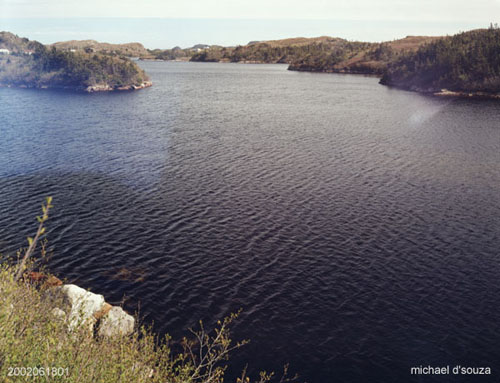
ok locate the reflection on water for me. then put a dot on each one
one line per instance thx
(357, 226)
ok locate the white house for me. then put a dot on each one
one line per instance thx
(4, 51)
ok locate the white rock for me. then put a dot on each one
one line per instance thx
(116, 322)
(83, 305)
(58, 313)
(142, 371)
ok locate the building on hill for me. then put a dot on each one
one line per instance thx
(4, 51)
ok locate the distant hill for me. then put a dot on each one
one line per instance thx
(129, 49)
(466, 62)
(199, 46)
(318, 54)
(16, 44)
(30, 64)
(272, 51)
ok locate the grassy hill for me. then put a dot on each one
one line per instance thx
(466, 62)
(30, 64)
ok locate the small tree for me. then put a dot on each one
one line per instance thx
(32, 242)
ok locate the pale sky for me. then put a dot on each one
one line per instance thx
(369, 20)
(421, 10)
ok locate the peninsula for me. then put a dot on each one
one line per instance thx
(466, 64)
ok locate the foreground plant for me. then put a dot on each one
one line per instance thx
(32, 242)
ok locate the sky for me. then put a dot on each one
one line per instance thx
(166, 23)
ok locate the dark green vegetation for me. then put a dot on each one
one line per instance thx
(176, 53)
(321, 54)
(33, 65)
(277, 51)
(466, 62)
(358, 57)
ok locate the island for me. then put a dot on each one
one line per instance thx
(30, 64)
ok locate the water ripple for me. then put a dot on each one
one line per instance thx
(357, 226)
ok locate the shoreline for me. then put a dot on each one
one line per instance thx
(89, 89)
(108, 88)
(446, 93)
(464, 94)
(335, 71)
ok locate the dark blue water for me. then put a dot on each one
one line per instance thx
(357, 226)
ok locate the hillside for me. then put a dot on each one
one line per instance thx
(319, 54)
(355, 57)
(273, 51)
(29, 64)
(16, 44)
(466, 62)
(129, 49)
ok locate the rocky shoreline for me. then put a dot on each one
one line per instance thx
(77, 306)
(358, 70)
(478, 95)
(109, 88)
(88, 89)
(461, 94)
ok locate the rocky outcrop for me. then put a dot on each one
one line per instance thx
(115, 323)
(479, 95)
(99, 88)
(109, 88)
(82, 305)
(90, 310)
(444, 92)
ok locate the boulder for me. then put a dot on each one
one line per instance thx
(82, 305)
(116, 322)
(142, 371)
(103, 311)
